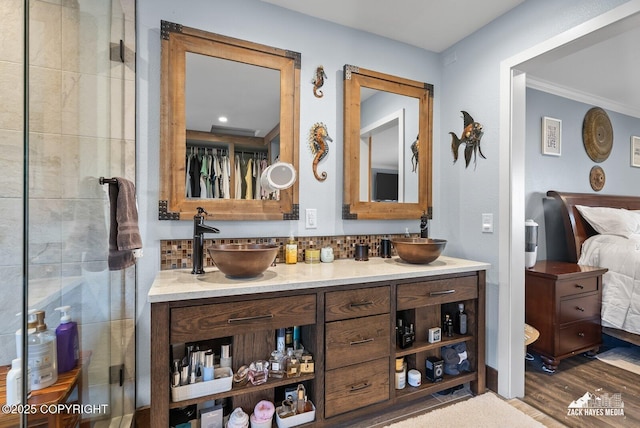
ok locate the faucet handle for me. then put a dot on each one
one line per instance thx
(202, 211)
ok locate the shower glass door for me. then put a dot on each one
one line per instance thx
(67, 118)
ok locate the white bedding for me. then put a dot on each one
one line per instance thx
(621, 284)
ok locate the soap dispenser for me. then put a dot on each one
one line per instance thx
(67, 338)
(31, 329)
(42, 355)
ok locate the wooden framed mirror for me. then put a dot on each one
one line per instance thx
(388, 126)
(229, 108)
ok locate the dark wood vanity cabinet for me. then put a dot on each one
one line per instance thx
(349, 329)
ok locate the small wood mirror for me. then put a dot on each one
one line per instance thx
(388, 124)
(229, 109)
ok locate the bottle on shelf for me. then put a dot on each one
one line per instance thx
(280, 341)
(448, 326)
(43, 355)
(275, 365)
(288, 337)
(461, 320)
(292, 364)
(401, 373)
(68, 348)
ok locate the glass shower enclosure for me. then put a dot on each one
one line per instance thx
(67, 118)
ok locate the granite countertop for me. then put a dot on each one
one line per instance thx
(181, 284)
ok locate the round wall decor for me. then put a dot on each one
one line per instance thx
(597, 134)
(596, 178)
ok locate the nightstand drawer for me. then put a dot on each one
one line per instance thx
(340, 305)
(353, 387)
(579, 308)
(579, 336)
(576, 286)
(357, 340)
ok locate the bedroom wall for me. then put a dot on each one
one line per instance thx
(569, 172)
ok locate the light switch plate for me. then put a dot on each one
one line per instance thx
(311, 218)
(487, 223)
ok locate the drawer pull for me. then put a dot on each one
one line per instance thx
(360, 342)
(256, 317)
(581, 334)
(362, 386)
(356, 304)
(578, 308)
(441, 293)
(581, 287)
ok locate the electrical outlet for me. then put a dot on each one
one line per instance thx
(487, 223)
(311, 218)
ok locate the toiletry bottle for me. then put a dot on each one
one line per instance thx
(288, 337)
(31, 328)
(292, 364)
(14, 383)
(296, 337)
(291, 251)
(406, 233)
(208, 370)
(42, 355)
(448, 326)
(401, 373)
(461, 320)
(275, 365)
(280, 341)
(67, 338)
(225, 357)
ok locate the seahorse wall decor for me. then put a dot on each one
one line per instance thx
(318, 81)
(318, 137)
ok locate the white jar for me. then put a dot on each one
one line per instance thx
(415, 377)
(326, 255)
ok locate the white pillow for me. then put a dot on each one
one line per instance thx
(611, 221)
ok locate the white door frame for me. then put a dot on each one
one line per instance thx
(512, 199)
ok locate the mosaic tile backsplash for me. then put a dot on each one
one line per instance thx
(176, 253)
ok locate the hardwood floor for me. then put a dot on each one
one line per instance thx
(552, 394)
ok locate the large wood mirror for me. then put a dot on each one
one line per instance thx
(387, 146)
(229, 109)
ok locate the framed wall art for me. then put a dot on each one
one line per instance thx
(551, 136)
(635, 151)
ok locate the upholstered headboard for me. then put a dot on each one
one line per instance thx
(577, 230)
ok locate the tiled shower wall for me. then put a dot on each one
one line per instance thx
(81, 126)
(176, 254)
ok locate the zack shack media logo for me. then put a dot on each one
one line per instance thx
(597, 405)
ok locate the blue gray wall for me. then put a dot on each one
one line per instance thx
(465, 77)
(570, 171)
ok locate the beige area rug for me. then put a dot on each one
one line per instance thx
(627, 358)
(483, 411)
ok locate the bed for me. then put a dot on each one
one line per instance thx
(619, 251)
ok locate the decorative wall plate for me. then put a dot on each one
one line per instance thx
(596, 178)
(597, 134)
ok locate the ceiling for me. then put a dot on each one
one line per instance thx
(433, 25)
(598, 69)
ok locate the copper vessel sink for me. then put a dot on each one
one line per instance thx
(243, 260)
(419, 250)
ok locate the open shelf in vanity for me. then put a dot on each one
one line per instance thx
(348, 326)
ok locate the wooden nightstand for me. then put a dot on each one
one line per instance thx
(562, 301)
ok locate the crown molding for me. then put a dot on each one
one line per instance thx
(583, 97)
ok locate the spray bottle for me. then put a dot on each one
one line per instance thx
(67, 338)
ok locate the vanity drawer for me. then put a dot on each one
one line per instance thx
(579, 336)
(576, 286)
(436, 292)
(353, 387)
(193, 323)
(353, 341)
(341, 305)
(579, 308)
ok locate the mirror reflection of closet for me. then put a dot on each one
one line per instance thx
(384, 117)
(230, 108)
